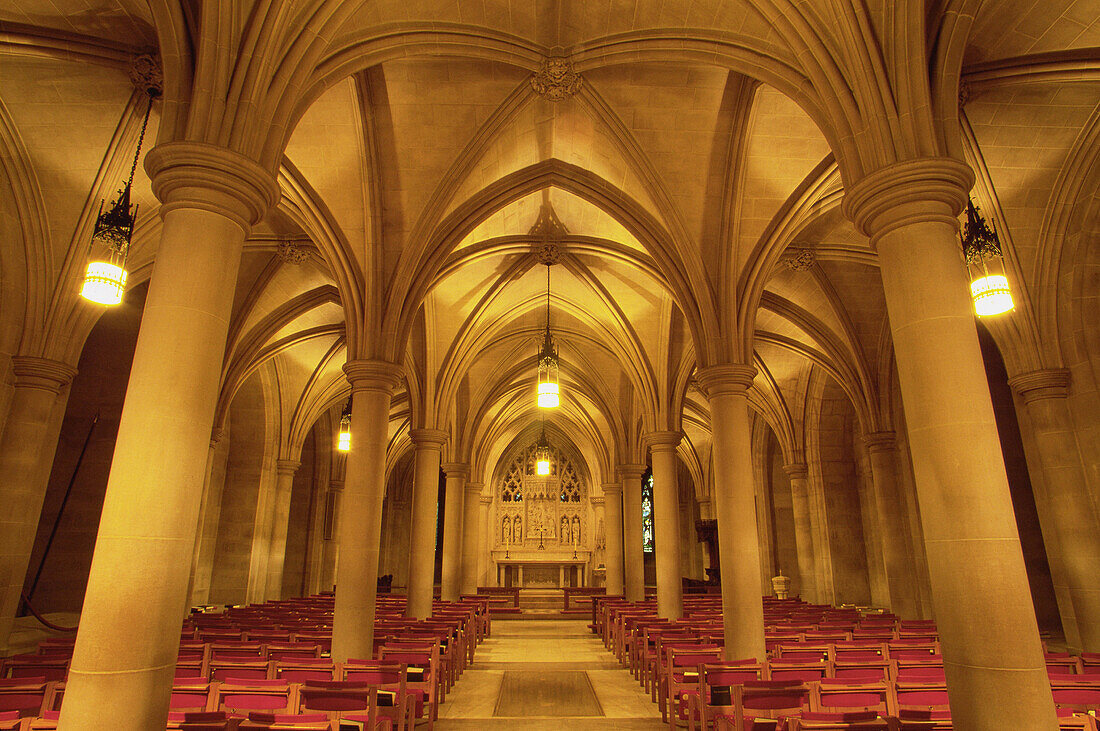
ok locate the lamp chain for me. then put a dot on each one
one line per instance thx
(141, 139)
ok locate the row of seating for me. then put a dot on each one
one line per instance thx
(268, 666)
(817, 676)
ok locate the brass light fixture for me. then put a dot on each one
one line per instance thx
(549, 391)
(985, 264)
(343, 438)
(542, 454)
(105, 278)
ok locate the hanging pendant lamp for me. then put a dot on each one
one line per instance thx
(549, 391)
(343, 437)
(984, 262)
(105, 277)
(542, 454)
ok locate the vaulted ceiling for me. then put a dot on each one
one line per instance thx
(661, 184)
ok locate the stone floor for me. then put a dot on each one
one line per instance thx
(547, 647)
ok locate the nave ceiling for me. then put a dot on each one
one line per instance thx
(692, 206)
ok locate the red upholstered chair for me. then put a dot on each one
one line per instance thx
(763, 699)
(1062, 662)
(421, 676)
(805, 651)
(909, 719)
(714, 694)
(242, 696)
(344, 700)
(921, 696)
(292, 650)
(803, 671)
(839, 721)
(1070, 721)
(303, 670)
(50, 667)
(681, 673)
(189, 696)
(1080, 693)
(395, 701)
(25, 696)
(843, 696)
(287, 721)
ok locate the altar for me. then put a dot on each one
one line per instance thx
(541, 571)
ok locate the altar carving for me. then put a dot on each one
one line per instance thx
(542, 520)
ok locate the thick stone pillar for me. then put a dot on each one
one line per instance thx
(803, 529)
(425, 507)
(453, 509)
(990, 641)
(24, 444)
(666, 522)
(125, 656)
(613, 530)
(330, 548)
(206, 540)
(633, 558)
(285, 469)
(471, 538)
(893, 525)
(486, 571)
(734, 506)
(359, 507)
(1066, 504)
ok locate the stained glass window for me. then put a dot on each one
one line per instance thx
(647, 512)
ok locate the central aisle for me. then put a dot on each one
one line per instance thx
(554, 674)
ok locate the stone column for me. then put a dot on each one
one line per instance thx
(988, 634)
(125, 656)
(210, 510)
(486, 570)
(803, 529)
(1065, 498)
(453, 506)
(285, 469)
(471, 540)
(26, 437)
(666, 522)
(633, 560)
(425, 507)
(359, 526)
(731, 452)
(893, 526)
(330, 550)
(613, 530)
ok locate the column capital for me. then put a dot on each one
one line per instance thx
(1045, 383)
(216, 435)
(428, 438)
(796, 470)
(336, 485)
(41, 373)
(880, 441)
(596, 501)
(612, 487)
(373, 375)
(455, 469)
(212, 178)
(628, 471)
(908, 192)
(286, 466)
(486, 499)
(474, 488)
(729, 378)
(662, 440)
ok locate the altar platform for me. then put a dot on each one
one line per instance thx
(535, 569)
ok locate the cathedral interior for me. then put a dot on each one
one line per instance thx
(737, 237)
